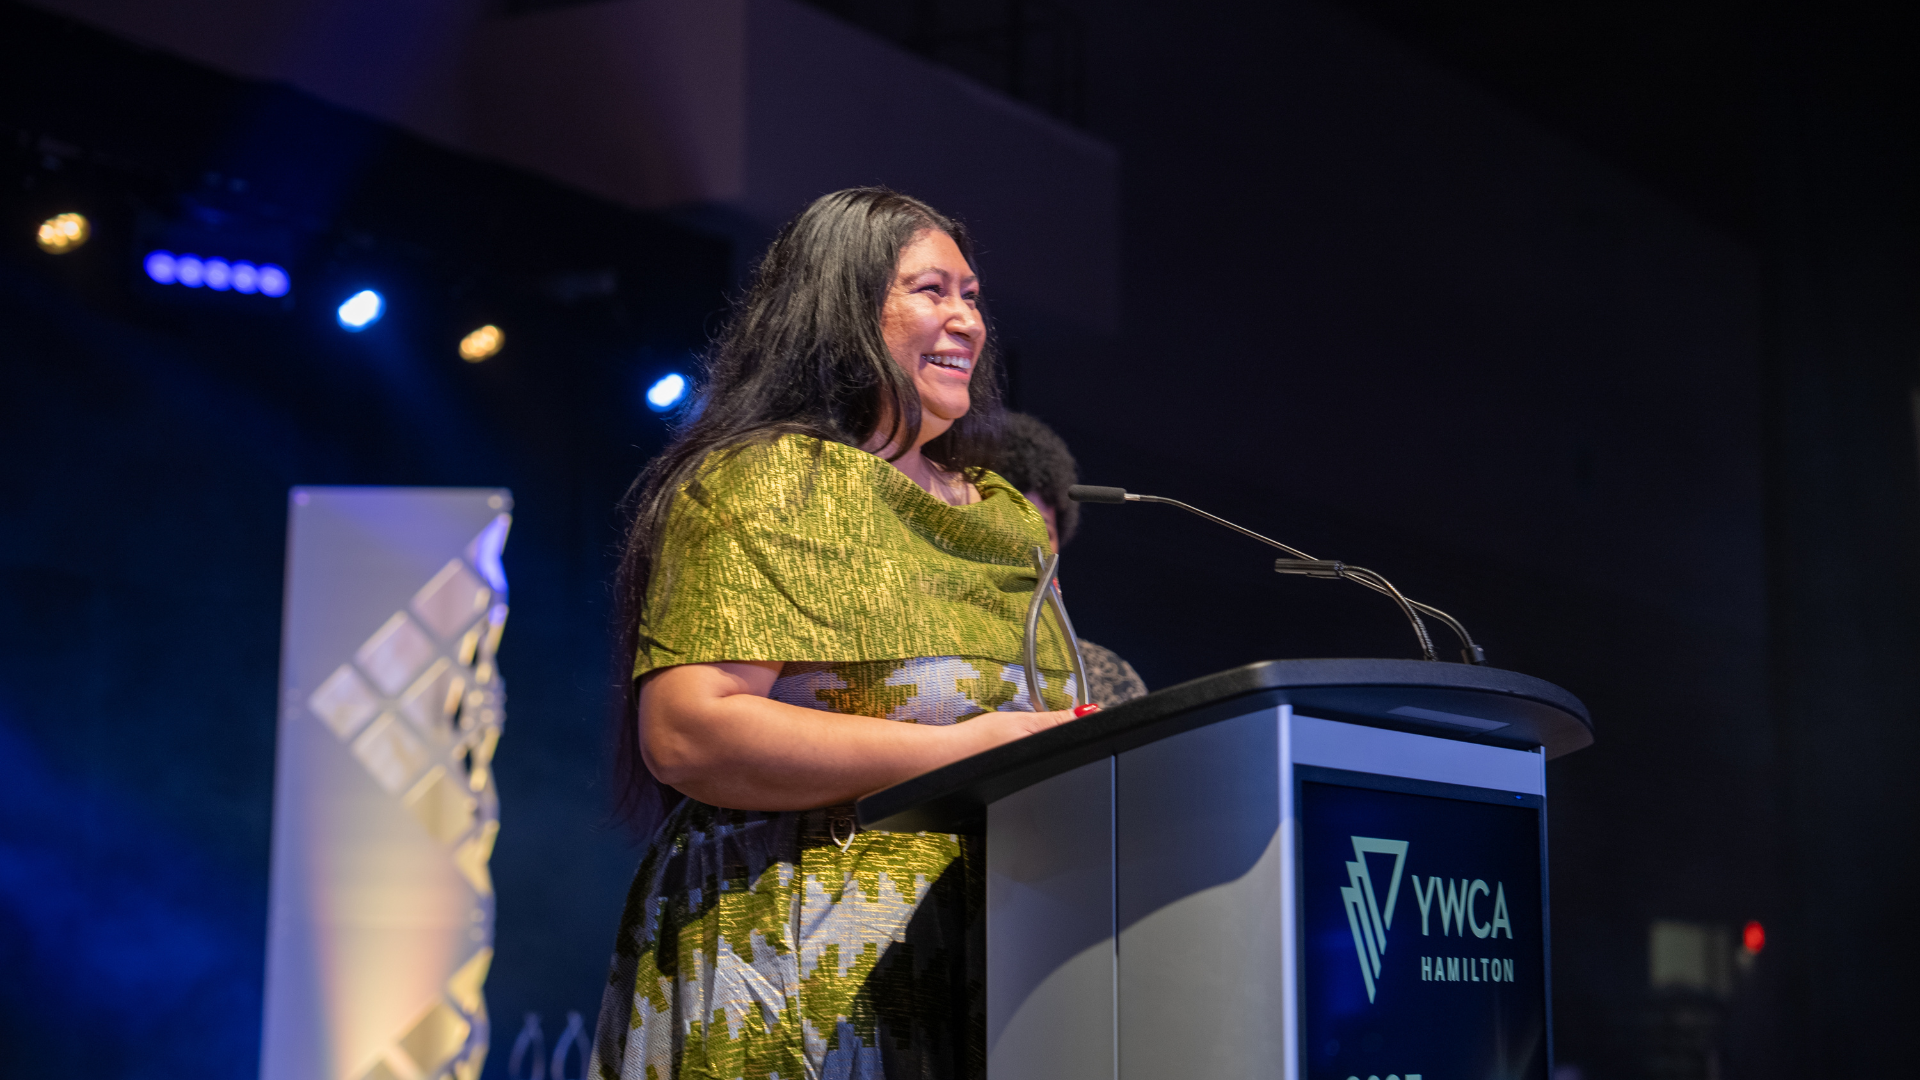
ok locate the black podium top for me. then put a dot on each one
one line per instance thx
(1452, 701)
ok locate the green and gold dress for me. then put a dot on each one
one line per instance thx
(790, 945)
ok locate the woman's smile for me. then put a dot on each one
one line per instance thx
(960, 365)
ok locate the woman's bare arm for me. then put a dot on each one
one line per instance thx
(710, 731)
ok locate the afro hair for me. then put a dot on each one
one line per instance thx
(1035, 459)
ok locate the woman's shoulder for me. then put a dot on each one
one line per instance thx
(784, 475)
(989, 480)
(760, 461)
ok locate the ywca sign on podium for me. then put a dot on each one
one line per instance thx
(1424, 943)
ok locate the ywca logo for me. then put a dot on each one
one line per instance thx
(1364, 915)
(1458, 909)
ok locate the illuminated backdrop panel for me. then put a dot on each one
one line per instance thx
(385, 812)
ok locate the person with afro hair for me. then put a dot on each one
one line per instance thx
(1035, 460)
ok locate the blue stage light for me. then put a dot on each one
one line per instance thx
(362, 310)
(160, 267)
(667, 393)
(274, 281)
(220, 275)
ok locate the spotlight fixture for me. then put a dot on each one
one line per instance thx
(667, 392)
(194, 272)
(62, 233)
(361, 310)
(481, 344)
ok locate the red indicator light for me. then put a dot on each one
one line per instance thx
(1754, 937)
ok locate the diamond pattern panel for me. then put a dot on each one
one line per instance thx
(442, 807)
(435, 1038)
(464, 986)
(391, 753)
(480, 759)
(394, 653)
(490, 642)
(344, 702)
(472, 858)
(433, 697)
(468, 1067)
(382, 1071)
(483, 551)
(469, 643)
(395, 706)
(451, 600)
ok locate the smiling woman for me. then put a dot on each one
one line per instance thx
(823, 594)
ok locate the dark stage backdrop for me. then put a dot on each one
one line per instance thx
(1369, 307)
(148, 437)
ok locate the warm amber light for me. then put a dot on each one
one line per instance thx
(481, 344)
(63, 232)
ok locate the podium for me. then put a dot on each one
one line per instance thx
(1296, 869)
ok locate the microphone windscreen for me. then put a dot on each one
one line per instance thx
(1089, 493)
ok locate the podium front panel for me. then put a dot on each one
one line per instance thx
(1245, 899)
(1202, 930)
(1050, 958)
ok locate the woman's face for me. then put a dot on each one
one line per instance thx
(932, 326)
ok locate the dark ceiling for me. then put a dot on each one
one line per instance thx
(1667, 91)
(1685, 94)
(1671, 92)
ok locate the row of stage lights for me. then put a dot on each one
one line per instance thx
(63, 233)
(166, 268)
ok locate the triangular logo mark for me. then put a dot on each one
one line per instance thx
(1365, 915)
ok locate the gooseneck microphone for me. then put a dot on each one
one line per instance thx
(1306, 565)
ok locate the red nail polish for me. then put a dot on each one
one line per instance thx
(1089, 707)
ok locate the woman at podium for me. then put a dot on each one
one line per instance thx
(824, 592)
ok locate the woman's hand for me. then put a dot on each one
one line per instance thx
(995, 728)
(710, 731)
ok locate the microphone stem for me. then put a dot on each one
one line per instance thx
(1381, 585)
(1267, 540)
(1471, 652)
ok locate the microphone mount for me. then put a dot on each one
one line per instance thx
(1046, 592)
(1305, 565)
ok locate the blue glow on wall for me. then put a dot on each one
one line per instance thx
(667, 392)
(362, 310)
(218, 274)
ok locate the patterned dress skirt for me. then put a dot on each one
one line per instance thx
(792, 945)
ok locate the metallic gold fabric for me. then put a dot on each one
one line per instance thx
(815, 551)
(786, 944)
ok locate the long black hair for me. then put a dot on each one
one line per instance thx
(802, 354)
